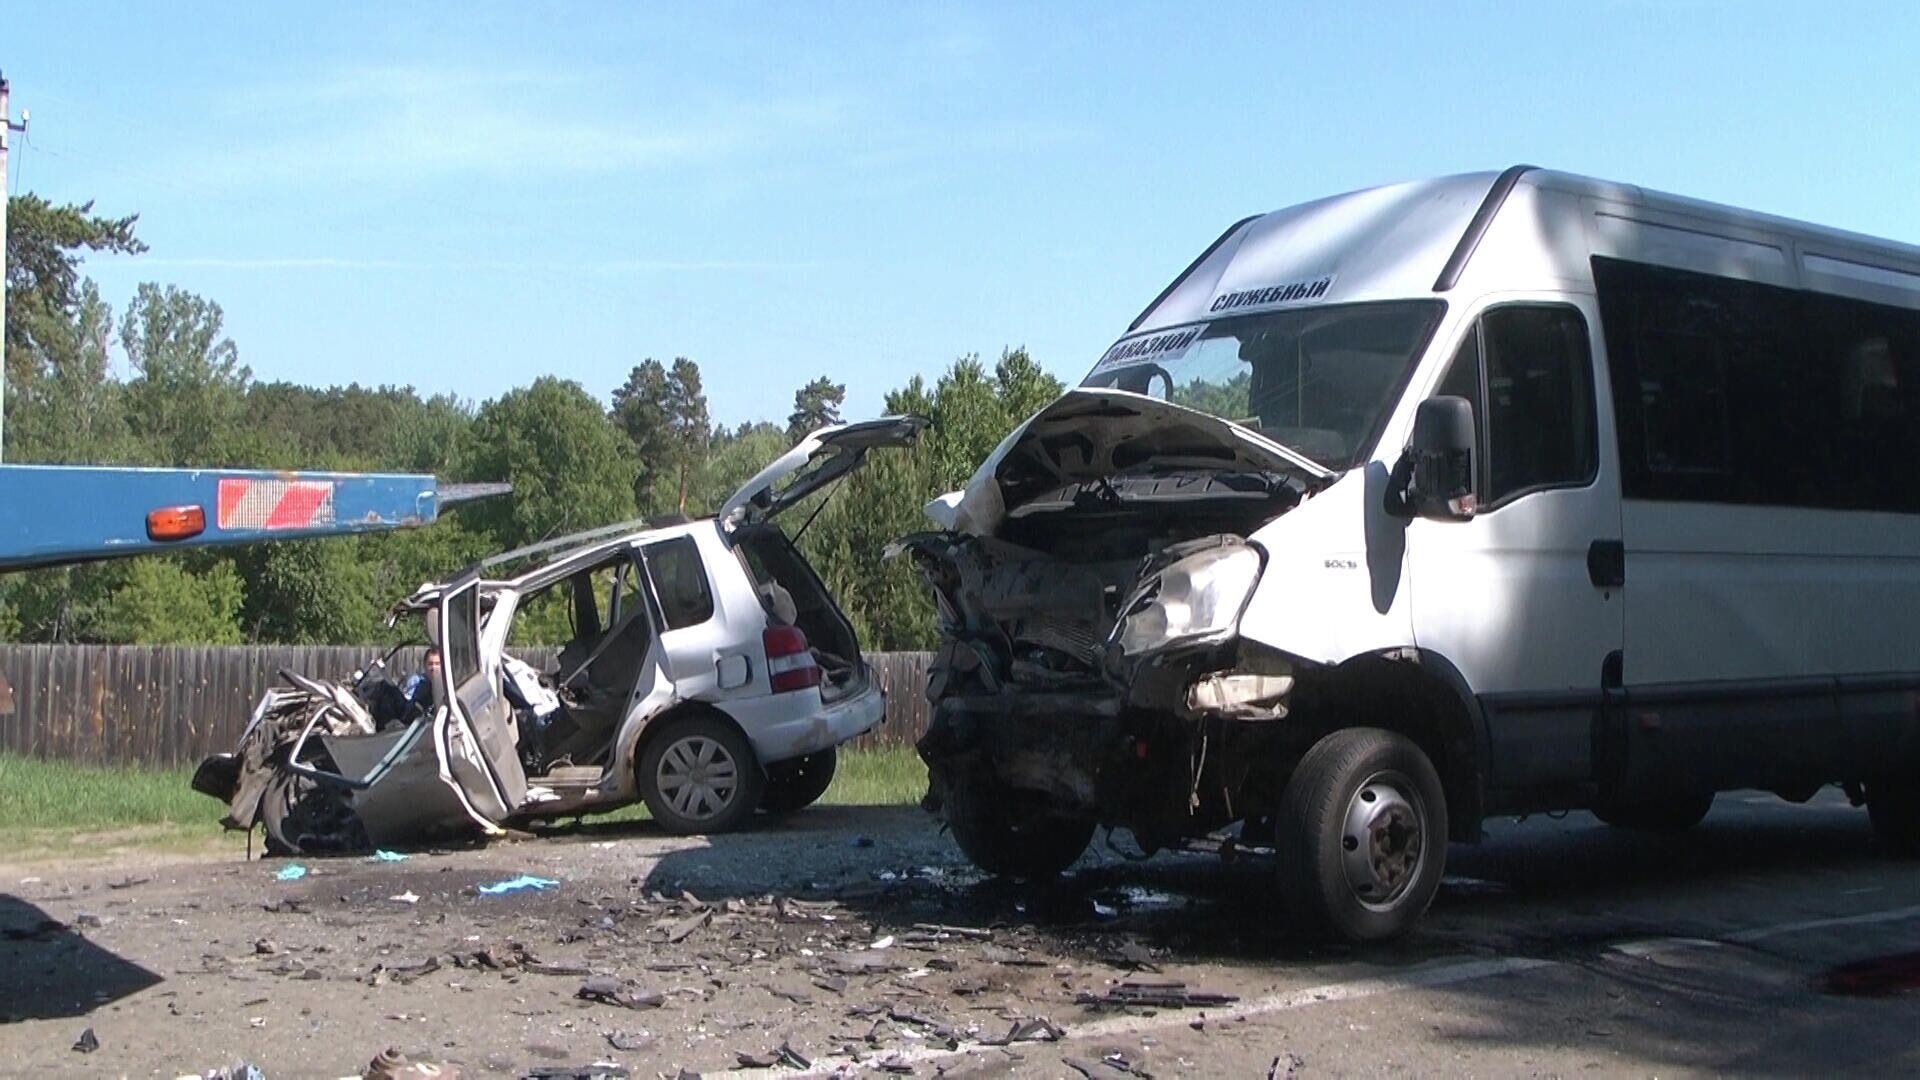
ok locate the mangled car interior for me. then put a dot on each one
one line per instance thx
(703, 668)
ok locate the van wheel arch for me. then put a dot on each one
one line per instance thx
(1421, 695)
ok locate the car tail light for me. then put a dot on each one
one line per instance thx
(790, 663)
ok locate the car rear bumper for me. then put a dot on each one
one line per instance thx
(779, 738)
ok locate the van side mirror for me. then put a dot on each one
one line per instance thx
(1441, 453)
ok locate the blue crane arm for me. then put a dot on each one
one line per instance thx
(53, 514)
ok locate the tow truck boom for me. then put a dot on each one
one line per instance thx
(55, 514)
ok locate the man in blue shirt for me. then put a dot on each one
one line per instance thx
(419, 687)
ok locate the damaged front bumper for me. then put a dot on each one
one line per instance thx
(1161, 730)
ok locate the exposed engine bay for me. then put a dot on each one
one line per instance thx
(1090, 671)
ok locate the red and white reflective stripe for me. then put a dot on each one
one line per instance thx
(274, 504)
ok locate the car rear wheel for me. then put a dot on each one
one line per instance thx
(799, 783)
(700, 776)
(1894, 810)
(996, 836)
(1673, 813)
(1362, 835)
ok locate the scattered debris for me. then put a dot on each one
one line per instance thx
(1294, 1063)
(266, 947)
(599, 1070)
(621, 1040)
(287, 907)
(391, 1064)
(408, 897)
(1134, 956)
(883, 943)
(89, 920)
(87, 1043)
(1158, 995)
(861, 840)
(291, 872)
(1038, 1029)
(239, 1070)
(128, 883)
(680, 931)
(994, 954)
(383, 855)
(836, 984)
(612, 991)
(524, 881)
(782, 1056)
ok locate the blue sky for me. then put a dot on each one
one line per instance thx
(464, 197)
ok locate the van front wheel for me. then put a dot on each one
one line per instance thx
(1013, 841)
(1362, 834)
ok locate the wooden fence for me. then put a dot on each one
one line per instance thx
(173, 705)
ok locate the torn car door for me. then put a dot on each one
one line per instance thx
(475, 733)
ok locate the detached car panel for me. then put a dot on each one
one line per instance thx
(706, 671)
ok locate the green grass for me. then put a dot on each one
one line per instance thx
(50, 808)
(36, 794)
(891, 777)
(53, 809)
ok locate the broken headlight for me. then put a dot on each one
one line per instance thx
(1190, 600)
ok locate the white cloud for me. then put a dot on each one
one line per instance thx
(387, 125)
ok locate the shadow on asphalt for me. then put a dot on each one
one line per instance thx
(1543, 887)
(49, 970)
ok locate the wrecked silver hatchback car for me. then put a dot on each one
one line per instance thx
(707, 672)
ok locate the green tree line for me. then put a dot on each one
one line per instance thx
(182, 396)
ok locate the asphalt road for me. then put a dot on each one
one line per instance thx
(1772, 939)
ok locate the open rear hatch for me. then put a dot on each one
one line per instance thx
(788, 587)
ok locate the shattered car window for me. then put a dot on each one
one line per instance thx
(462, 646)
(1319, 380)
(680, 580)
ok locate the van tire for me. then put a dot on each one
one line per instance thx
(799, 783)
(1026, 845)
(699, 775)
(1894, 809)
(1360, 805)
(1674, 813)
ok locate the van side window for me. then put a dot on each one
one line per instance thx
(1872, 355)
(1538, 425)
(1714, 399)
(680, 581)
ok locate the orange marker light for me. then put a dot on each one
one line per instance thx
(176, 523)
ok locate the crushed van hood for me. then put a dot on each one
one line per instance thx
(1087, 434)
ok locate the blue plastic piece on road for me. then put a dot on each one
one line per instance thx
(383, 855)
(524, 881)
(291, 872)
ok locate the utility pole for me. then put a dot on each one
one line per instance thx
(7, 128)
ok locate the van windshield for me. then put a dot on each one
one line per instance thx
(1317, 380)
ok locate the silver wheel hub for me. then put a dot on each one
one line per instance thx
(698, 777)
(1382, 840)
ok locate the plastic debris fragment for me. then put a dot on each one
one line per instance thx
(524, 881)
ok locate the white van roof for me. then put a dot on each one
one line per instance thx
(1523, 227)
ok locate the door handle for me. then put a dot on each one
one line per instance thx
(1607, 564)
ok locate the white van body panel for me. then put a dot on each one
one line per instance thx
(1335, 584)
